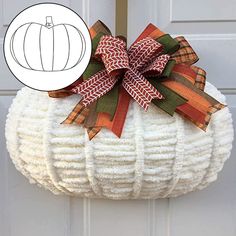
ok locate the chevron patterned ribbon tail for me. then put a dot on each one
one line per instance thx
(92, 89)
(140, 89)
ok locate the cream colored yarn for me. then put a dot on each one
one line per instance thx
(158, 155)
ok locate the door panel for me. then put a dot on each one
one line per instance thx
(119, 217)
(26, 209)
(202, 10)
(11, 7)
(211, 211)
(209, 25)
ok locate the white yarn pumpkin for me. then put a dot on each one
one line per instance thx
(158, 155)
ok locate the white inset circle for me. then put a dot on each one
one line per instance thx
(47, 46)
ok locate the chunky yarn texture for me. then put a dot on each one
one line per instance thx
(158, 155)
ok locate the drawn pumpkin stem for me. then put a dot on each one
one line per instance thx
(49, 22)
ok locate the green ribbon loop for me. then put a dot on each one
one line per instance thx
(109, 101)
(170, 45)
(96, 41)
(172, 99)
(168, 69)
(92, 68)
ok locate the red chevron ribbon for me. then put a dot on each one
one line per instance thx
(142, 58)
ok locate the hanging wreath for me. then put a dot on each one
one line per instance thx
(141, 122)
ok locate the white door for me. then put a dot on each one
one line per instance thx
(210, 26)
(26, 210)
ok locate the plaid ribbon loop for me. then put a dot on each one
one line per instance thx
(142, 57)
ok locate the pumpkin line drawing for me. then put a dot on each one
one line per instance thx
(49, 47)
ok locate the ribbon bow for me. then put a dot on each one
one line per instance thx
(142, 59)
(156, 68)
